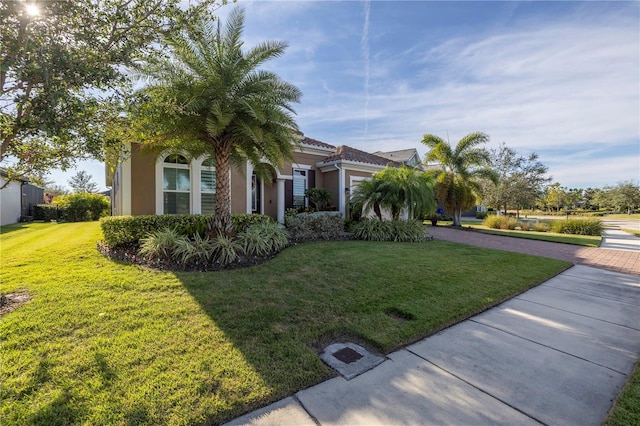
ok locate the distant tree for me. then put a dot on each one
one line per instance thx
(590, 196)
(626, 196)
(556, 196)
(520, 182)
(62, 72)
(81, 182)
(218, 100)
(51, 190)
(573, 197)
(458, 183)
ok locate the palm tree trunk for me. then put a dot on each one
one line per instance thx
(221, 221)
(457, 213)
(376, 210)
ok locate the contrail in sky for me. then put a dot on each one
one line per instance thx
(364, 44)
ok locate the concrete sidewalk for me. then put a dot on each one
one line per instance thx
(556, 354)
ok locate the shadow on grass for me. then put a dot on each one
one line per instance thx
(380, 295)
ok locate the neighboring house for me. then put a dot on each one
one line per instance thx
(17, 199)
(408, 157)
(174, 182)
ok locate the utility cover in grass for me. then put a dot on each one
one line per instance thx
(349, 359)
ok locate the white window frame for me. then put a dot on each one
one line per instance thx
(160, 166)
(306, 186)
(199, 168)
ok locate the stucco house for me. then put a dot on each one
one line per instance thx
(17, 199)
(174, 182)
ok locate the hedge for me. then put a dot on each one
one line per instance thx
(314, 226)
(125, 230)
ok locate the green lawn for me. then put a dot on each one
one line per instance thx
(626, 410)
(110, 343)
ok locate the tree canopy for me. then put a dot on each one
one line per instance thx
(521, 180)
(63, 72)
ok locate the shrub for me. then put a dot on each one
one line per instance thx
(160, 243)
(541, 227)
(262, 239)
(225, 250)
(200, 249)
(526, 226)
(314, 226)
(46, 212)
(577, 226)
(392, 230)
(320, 197)
(82, 206)
(500, 222)
(242, 221)
(127, 230)
(481, 215)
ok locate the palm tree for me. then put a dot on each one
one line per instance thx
(396, 189)
(368, 196)
(458, 182)
(213, 93)
(407, 188)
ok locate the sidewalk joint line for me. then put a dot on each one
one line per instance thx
(589, 294)
(476, 387)
(549, 347)
(296, 399)
(575, 313)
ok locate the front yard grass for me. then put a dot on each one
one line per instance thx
(626, 409)
(111, 343)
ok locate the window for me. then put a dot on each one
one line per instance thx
(299, 186)
(208, 187)
(176, 184)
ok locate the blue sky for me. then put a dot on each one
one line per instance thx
(558, 78)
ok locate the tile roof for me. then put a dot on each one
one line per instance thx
(309, 141)
(346, 153)
(399, 155)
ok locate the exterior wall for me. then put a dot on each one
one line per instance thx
(143, 182)
(330, 181)
(270, 199)
(10, 205)
(238, 191)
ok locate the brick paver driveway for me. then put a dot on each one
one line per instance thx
(626, 262)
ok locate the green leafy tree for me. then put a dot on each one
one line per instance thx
(555, 196)
(62, 72)
(626, 196)
(82, 182)
(520, 182)
(213, 97)
(458, 182)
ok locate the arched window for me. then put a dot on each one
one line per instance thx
(176, 184)
(208, 186)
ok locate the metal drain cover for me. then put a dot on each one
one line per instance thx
(349, 359)
(347, 355)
